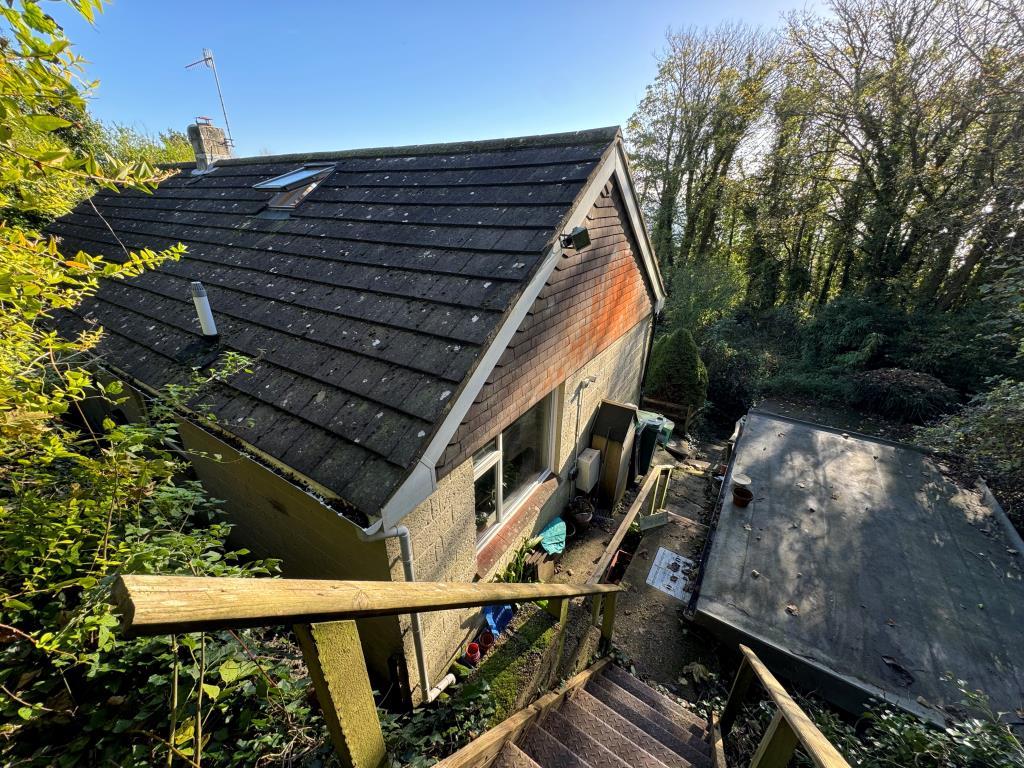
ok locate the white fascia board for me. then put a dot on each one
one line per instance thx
(423, 480)
(636, 220)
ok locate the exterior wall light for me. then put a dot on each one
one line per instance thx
(579, 238)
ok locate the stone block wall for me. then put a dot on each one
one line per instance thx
(443, 528)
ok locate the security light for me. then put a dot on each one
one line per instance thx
(579, 238)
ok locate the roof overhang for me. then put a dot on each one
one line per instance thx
(614, 166)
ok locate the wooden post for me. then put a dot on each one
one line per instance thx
(717, 745)
(595, 609)
(608, 622)
(664, 490)
(335, 660)
(563, 615)
(777, 744)
(738, 692)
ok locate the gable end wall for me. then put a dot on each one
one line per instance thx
(592, 299)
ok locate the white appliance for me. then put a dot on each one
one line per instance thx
(588, 469)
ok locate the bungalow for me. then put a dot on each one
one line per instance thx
(421, 319)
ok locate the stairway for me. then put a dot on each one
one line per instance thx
(615, 721)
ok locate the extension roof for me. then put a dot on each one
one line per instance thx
(367, 307)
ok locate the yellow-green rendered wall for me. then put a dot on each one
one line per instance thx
(275, 518)
(443, 528)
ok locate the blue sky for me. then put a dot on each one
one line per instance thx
(303, 76)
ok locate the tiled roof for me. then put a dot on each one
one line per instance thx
(366, 308)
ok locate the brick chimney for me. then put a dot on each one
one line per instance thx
(208, 143)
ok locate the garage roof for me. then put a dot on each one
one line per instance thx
(864, 566)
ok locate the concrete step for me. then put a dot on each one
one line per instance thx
(512, 756)
(548, 751)
(584, 745)
(616, 732)
(677, 737)
(655, 699)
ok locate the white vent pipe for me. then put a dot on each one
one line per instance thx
(202, 303)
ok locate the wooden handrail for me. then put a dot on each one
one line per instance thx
(650, 484)
(153, 605)
(790, 725)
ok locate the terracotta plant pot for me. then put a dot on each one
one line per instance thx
(485, 640)
(473, 654)
(741, 496)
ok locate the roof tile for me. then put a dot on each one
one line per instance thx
(365, 308)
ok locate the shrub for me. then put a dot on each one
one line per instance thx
(738, 367)
(886, 737)
(902, 395)
(988, 431)
(828, 388)
(850, 333)
(677, 373)
(422, 737)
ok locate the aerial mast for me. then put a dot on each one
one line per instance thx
(208, 61)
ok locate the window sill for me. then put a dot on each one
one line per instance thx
(511, 532)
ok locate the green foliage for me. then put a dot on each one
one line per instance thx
(515, 571)
(424, 736)
(885, 737)
(902, 395)
(82, 502)
(742, 354)
(703, 293)
(988, 431)
(857, 334)
(677, 373)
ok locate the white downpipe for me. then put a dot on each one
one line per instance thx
(401, 533)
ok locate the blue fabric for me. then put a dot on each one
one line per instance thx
(552, 538)
(497, 617)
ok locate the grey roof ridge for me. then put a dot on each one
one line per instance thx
(589, 136)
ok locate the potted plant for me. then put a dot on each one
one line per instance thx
(581, 512)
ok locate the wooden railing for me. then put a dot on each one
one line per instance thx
(323, 614)
(789, 727)
(651, 497)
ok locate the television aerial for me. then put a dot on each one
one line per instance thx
(209, 63)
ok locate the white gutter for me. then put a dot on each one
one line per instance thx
(377, 532)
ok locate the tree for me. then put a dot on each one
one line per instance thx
(677, 373)
(81, 502)
(710, 92)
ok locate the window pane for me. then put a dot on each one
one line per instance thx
(484, 453)
(524, 447)
(286, 180)
(486, 500)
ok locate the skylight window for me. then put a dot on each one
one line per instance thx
(295, 178)
(293, 187)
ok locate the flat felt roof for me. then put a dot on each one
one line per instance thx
(366, 308)
(893, 576)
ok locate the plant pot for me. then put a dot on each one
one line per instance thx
(581, 512)
(582, 520)
(617, 567)
(473, 654)
(742, 496)
(485, 640)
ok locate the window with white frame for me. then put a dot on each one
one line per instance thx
(510, 466)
